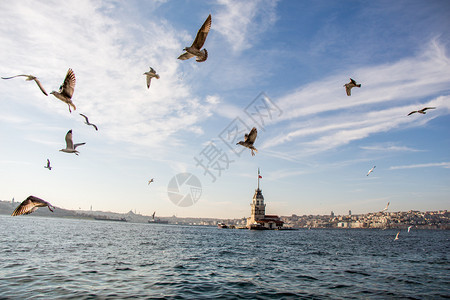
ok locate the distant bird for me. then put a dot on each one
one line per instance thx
(396, 237)
(29, 78)
(249, 139)
(30, 204)
(386, 207)
(86, 121)
(370, 171)
(198, 43)
(409, 228)
(150, 74)
(48, 165)
(70, 147)
(66, 89)
(350, 85)
(422, 111)
(150, 181)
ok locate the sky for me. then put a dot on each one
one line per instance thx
(279, 66)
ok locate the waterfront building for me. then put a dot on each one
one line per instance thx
(258, 218)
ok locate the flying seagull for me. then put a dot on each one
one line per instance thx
(29, 78)
(86, 121)
(30, 204)
(249, 139)
(422, 111)
(48, 165)
(409, 228)
(150, 181)
(386, 206)
(396, 237)
(370, 171)
(200, 39)
(350, 85)
(70, 147)
(66, 89)
(150, 74)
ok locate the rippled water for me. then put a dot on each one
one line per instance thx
(62, 258)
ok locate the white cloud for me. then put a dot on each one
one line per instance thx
(241, 22)
(322, 117)
(428, 165)
(108, 54)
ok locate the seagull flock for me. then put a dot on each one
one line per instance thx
(67, 88)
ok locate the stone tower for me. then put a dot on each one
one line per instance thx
(257, 205)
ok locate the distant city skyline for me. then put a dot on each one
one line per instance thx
(279, 66)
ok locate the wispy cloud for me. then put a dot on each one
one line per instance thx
(390, 148)
(327, 118)
(241, 22)
(428, 165)
(109, 55)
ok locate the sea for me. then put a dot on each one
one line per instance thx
(55, 258)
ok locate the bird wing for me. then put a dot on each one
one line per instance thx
(23, 207)
(15, 76)
(95, 126)
(185, 56)
(29, 205)
(40, 86)
(85, 118)
(48, 162)
(425, 108)
(202, 34)
(353, 81)
(68, 85)
(413, 112)
(79, 144)
(149, 80)
(348, 89)
(252, 135)
(69, 142)
(152, 70)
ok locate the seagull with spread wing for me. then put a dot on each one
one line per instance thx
(48, 166)
(421, 111)
(150, 181)
(198, 43)
(65, 92)
(70, 147)
(370, 171)
(350, 85)
(29, 78)
(149, 75)
(30, 205)
(387, 205)
(396, 237)
(249, 139)
(86, 121)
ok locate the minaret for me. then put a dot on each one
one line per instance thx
(257, 205)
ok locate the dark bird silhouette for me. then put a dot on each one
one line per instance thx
(30, 204)
(350, 85)
(249, 139)
(149, 75)
(29, 78)
(422, 111)
(198, 43)
(86, 121)
(48, 165)
(66, 90)
(150, 181)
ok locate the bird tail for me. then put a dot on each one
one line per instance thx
(157, 76)
(205, 56)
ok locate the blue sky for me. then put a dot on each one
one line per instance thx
(314, 150)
